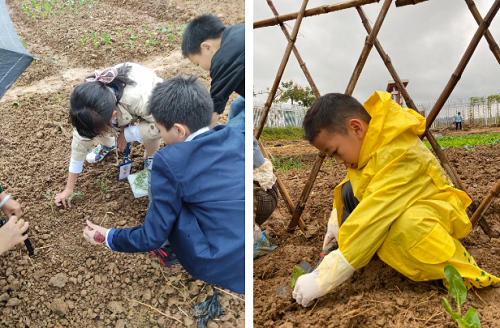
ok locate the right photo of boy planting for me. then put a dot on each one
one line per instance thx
(373, 213)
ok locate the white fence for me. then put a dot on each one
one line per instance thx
(280, 115)
(481, 114)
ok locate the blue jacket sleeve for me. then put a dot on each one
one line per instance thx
(161, 216)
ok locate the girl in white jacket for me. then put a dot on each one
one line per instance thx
(107, 102)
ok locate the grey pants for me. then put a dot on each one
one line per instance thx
(350, 202)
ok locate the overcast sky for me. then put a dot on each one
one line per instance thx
(425, 43)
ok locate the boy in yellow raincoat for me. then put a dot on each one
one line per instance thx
(396, 200)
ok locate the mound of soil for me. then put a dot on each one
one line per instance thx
(376, 295)
(70, 283)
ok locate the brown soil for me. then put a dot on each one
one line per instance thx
(377, 295)
(98, 287)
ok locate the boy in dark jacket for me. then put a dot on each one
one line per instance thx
(209, 44)
(198, 190)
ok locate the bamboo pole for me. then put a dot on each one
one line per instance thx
(487, 34)
(281, 187)
(301, 204)
(463, 63)
(401, 3)
(483, 207)
(367, 48)
(350, 87)
(281, 69)
(312, 12)
(313, 88)
(409, 101)
(296, 53)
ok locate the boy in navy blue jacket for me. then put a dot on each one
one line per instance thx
(209, 44)
(198, 190)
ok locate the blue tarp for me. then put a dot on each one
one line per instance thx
(14, 58)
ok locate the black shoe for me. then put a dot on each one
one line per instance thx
(167, 256)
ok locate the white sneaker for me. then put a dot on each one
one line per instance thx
(98, 153)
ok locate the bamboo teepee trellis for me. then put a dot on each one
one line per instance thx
(482, 30)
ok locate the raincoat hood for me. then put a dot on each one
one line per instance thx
(387, 122)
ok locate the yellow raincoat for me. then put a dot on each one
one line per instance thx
(408, 211)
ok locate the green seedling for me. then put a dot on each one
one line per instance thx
(15, 103)
(95, 42)
(128, 30)
(106, 37)
(25, 44)
(459, 292)
(180, 29)
(49, 196)
(133, 37)
(297, 272)
(59, 99)
(76, 195)
(118, 32)
(146, 31)
(103, 183)
(131, 44)
(82, 41)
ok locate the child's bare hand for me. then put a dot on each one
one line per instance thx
(94, 234)
(11, 233)
(60, 199)
(11, 207)
(121, 142)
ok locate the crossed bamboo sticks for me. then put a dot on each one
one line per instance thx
(370, 41)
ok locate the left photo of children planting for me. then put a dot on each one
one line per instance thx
(123, 163)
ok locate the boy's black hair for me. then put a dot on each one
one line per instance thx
(92, 103)
(331, 112)
(182, 100)
(198, 31)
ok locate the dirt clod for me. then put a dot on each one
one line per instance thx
(59, 280)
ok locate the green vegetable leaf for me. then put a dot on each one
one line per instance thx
(457, 287)
(297, 272)
(472, 318)
(447, 306)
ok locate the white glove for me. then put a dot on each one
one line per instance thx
(333, 270)
(333, 228)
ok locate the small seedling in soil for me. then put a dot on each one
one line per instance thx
(59, 100)
(82, 41)
(94, 38)
(106, 37)
(459, 293)
(15, 103)
(76, 195)
(23, 42)
(297, 272)
(131, 44)
(49, 196)
(103, 183)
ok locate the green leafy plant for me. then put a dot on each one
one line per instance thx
(131, 44)
(59, 99)
(49, 196)
(95, 42)
(76, 195)
(82, 41)
(459, 292)
(297, 272)
(25, 44)
(106, 37)
(103, 183)
(285, 164)
(467, 141)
